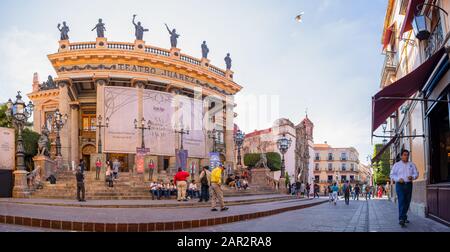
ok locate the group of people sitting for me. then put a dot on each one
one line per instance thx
(159, 190)
(239, 183)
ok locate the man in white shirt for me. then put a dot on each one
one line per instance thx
(403, 173)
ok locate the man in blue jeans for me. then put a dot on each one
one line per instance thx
(403, 173)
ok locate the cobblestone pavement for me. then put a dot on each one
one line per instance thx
(359, 216)
(16, 229)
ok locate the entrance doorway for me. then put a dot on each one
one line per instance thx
(87, 151)
(123, 160)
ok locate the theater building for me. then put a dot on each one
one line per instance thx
(124, 82)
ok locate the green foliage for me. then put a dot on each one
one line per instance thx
(382, 168)
(30, 144)
(4, 122)
(273, 160)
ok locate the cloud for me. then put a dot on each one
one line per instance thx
(22, 53)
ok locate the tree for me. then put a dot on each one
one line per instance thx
(382, 167)
(4, 122)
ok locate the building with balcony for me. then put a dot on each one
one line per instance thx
(337, 165)
(412, 105)
(122, 82)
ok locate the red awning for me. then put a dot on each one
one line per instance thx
(405, 87)
(381, 152)
(387, 36)
(410, 12)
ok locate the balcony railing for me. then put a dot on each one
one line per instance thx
(123, 46)
(389, 67)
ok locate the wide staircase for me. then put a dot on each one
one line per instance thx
(127, 187)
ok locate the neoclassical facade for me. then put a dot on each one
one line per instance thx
(122, 82)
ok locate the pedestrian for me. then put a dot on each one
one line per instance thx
(192, 190)
(298, 186)
(109, 175)
(116, 168)
(316, 190)
(80, 185)
(307, 189)
(335, 190)
(82, 165)
(367, 192)
(216, 189)
(388, 190)
(205, 181)
(180, 180)
(302, 188)
(346, 189)
(98, 167)
(380, 192)
(357, 191)
(403, 174)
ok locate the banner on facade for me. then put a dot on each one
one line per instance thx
(140, 159)
(182, 158)
(7, 149)
(214, 160)
(121, 107)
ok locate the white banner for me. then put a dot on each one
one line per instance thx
(121, 107)
(7, 149)
(158, 110)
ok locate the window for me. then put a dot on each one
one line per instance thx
(89, 121)
(343, 156)
(49, 120)
(352, 178)
(344, 167)
(330, 156)
(330, 179)
(352, 167)
(317, 166)
(316, 179)
(343, 178)
(317, 157)
(330, 167)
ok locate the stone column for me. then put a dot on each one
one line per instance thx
(64, 109)
(100, 83)
(74, 134)
(229, 130)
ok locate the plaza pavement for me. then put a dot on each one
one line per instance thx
(378, 215)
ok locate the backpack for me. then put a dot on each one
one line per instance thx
(347, 189)
(204, 179)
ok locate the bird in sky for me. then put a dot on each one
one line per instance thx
(299, 18)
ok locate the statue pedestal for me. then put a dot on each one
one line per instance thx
(101, 43)
(205, 62)
(175, 52)
(47, 165)
(229, 74)
(259, 176)
(64, 45)
(20, 189)
(139, 45)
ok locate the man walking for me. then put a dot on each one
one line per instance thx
(316, 190)
(346, 190)
(80, 185)
(357, 191)
(403, 174)
(205, 180)
(216, 189)
(180, 180)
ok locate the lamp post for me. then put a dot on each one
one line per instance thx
(142, 128)
(58, 123)
(283, 145)
(239, 138)
(182, 132)
(99, 127)
(422, 24)
(18, 112)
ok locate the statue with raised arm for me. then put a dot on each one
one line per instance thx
(64, 31)
(205, 50)
(100, 27)
(228, 61)
(173, 37)
(139, 29)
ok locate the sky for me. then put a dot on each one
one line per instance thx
(329, 65)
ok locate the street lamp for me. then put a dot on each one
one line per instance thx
(18, 112)
(58, 123)
(142, 128)
(422, 23)
(239, 138)
(283, 145)
(99, 127)
(213, 135)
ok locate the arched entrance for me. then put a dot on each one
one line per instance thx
(87, 151)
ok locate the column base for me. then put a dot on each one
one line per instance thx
(20, 189)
